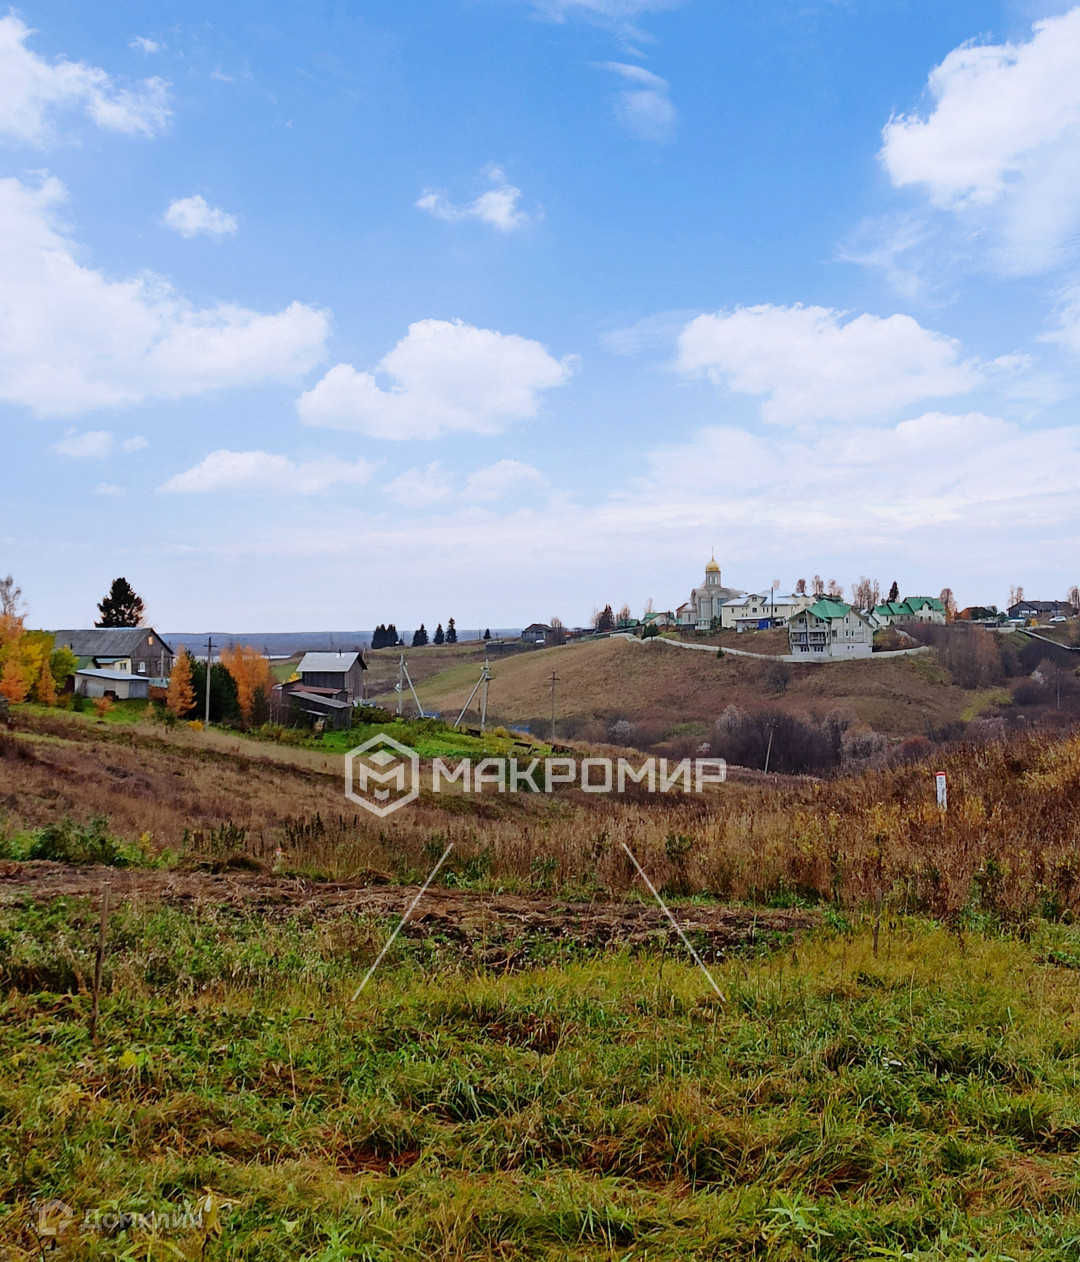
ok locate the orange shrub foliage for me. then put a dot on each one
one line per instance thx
(251, 671)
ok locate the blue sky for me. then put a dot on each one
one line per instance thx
(321, 315)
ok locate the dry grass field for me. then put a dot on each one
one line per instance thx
(662, 683)
(1007, 844)
(537, 1072)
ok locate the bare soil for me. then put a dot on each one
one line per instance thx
(496, 926)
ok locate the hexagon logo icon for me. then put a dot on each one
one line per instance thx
(54, 1219)
(382, 775)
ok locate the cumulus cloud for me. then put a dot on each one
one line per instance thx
(423, 486)
(194, 216)
(431, 484)
(936, 469)
(445, 377)
(259, 471)
(498, 207)
(95, 444)
(1000, 147)
(72, 339)
(645, 109)
(33, 91)
(503, 478)
(145, 45)
(811, 365)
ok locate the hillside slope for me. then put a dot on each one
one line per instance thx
(662, 683)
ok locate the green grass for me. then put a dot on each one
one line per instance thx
(431, 738)
(921, 1103)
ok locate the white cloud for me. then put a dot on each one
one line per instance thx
(431, 484)
(109, 489)
(259, 472)
(645, 110)
(423, 486)
(503, 478)
(810, 365)
(194, 216)
(32, 90)
(145, 45)
(72, 340)
(446, 378)
(967, 470)
(95, 444)
(1001, 145)
(497, 207)
(615, 15)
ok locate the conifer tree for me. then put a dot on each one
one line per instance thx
(420, 637)
(894, 592)
(121, 607)
(180, 699)
(440, 638)
(45, 688)
(451, 632)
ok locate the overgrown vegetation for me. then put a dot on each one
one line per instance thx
(917, 1103)
(1008, 843)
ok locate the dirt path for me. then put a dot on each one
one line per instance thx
(491, 925)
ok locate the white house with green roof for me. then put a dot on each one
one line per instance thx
(911, 609)
(830, 628)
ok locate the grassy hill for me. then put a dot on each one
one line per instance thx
(664, 685)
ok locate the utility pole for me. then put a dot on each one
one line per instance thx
(209, 661)
(400, 681)
(482, 682)
(483, 697)
(554, 680)
(768, 751)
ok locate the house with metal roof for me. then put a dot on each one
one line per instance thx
(134, 650)
(342, 673)
(830, 628)
(1041, 609)
(911, 609)
(757, 611)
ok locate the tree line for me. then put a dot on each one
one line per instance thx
(387, 636)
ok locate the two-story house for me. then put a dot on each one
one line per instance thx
(832, 629)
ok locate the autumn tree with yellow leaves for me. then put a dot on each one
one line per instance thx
(180, 698)
(251, 672)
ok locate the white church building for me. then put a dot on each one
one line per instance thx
(706, 601)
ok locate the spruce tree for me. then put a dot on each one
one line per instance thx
(606, 620)
(487, 634)
(420, 637)
(451, 632)
(121, 607)
(894, 592)
(440, 638)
